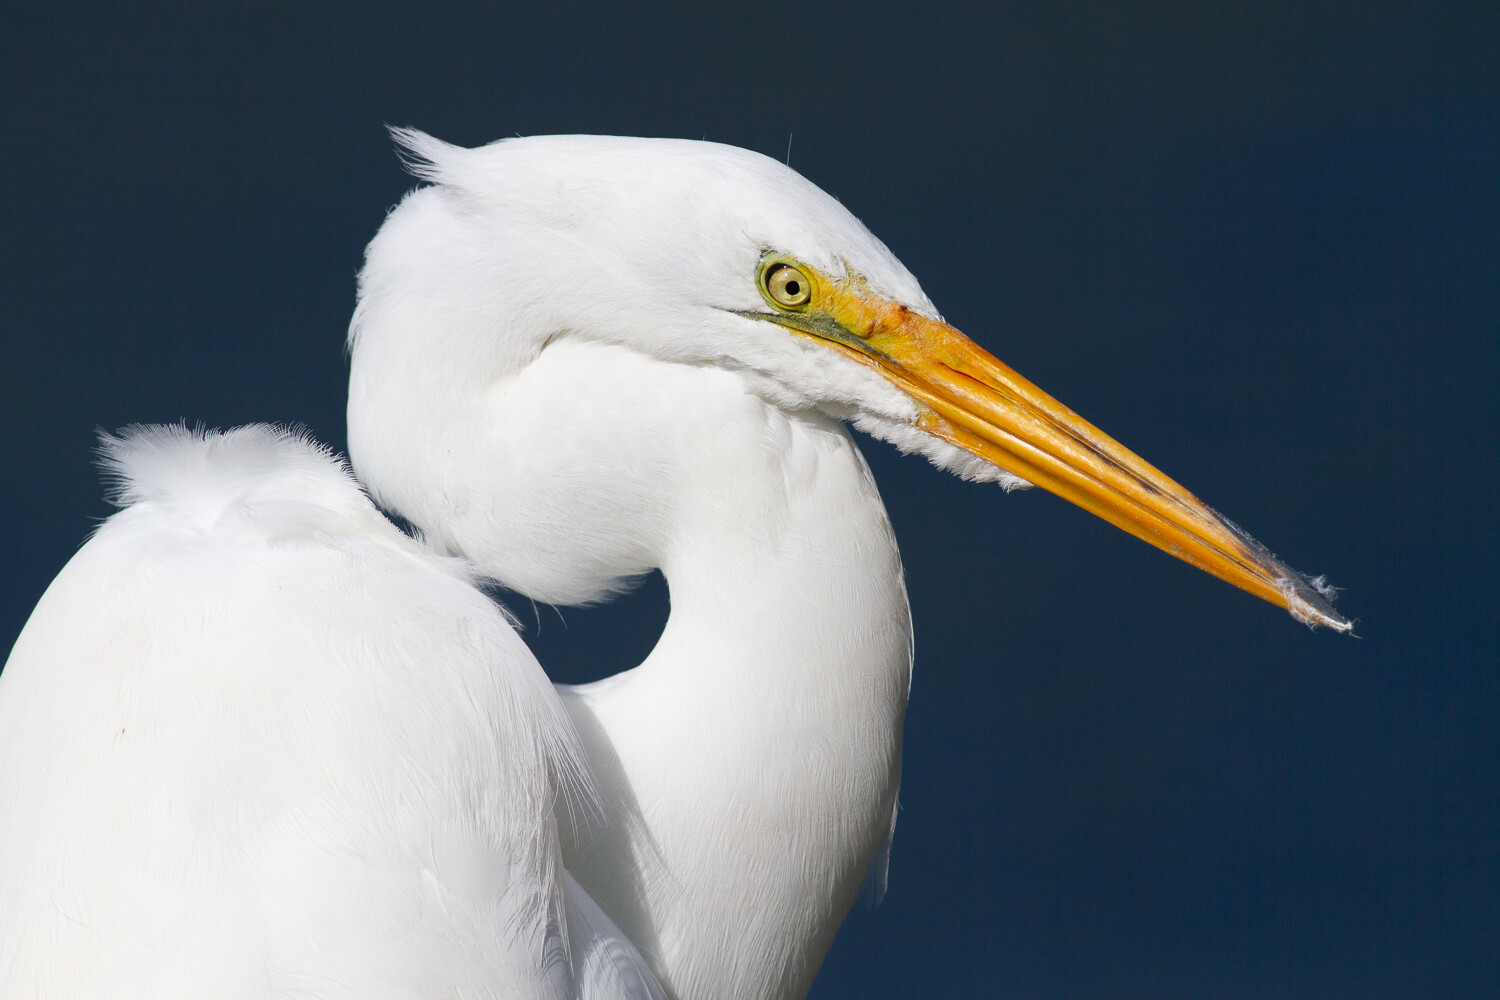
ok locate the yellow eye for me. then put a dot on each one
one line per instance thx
(788, 287)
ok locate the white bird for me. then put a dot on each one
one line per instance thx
(257, 742)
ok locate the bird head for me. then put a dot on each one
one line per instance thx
(700, 254)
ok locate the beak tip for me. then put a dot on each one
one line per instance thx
(1310, 601)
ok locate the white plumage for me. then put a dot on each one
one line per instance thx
(255, 742)
(259, 743)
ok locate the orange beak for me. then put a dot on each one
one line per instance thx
(971, 399)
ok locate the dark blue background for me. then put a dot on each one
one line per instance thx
(1260, 247)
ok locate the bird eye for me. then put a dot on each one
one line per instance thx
(788, 287)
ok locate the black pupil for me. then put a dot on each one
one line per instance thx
(792, 288)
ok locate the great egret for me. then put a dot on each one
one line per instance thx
(257, 742)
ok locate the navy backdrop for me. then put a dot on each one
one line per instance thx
(1257, 246)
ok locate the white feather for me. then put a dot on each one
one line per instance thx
(271, 747)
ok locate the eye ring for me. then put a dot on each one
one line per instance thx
(787, 286)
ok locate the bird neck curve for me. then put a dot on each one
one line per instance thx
(748, 769)
(749, 766)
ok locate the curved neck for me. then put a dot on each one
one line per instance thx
(749, 767)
